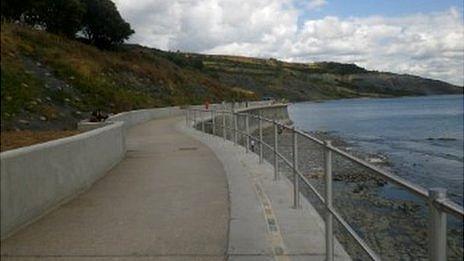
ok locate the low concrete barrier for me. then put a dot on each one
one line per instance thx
(37, 178)
(132, 118)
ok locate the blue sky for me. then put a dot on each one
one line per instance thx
(361, 8)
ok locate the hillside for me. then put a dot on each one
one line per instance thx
(317, 81)
(50, 82)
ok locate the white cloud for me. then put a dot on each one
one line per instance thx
(315, 4)
(429, 45)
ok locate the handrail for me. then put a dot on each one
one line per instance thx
(439, 204)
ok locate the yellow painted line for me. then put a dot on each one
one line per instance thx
(274, 235)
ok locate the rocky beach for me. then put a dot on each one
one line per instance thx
(392, 221)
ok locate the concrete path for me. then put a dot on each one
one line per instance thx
(167, 200)
(264, 225)
(178, 195)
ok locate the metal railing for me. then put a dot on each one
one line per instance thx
(436, 198)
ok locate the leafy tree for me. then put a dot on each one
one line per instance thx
(58, 16)
(13, 9)
(103, 25)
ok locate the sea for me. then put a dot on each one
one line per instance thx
(420, 137)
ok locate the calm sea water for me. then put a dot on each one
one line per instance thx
(422, 137)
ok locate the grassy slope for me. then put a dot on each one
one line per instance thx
(50, 82)
(316, 81)
(47, 79)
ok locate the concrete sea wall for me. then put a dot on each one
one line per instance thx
(38, 178)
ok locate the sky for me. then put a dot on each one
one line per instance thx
(420, 37)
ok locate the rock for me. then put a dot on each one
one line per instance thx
(72, 77)
(67, 100)
(24, 122)
(9, 98)
(48, 98)
(24, 85)
(38, 64)
(358, 189)
(316, 174)
(78, 112)
(33, 103)
(39, 100)
(48, 74)
(43, 118)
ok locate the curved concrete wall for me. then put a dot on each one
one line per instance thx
(132, 118)
(37, 178)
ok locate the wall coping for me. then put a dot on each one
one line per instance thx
(61, 141)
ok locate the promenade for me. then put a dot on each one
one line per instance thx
(177, 195)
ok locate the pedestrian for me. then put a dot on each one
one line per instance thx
(252, 145)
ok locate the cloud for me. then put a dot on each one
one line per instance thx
(429, 45)
(315, 4)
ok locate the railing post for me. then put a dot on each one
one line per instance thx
(296, 179)
(437, 236)
(247, 129)
(235, 128)
(213, 122)
(187, 117)
(194, 119)
(202, 121)
(224, 125)
(260, 124)
(276, 159)
(329, 242)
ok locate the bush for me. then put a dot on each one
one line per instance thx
(58, 16)
(103, 25)
(99, 20)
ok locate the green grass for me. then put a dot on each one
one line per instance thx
(114, 81)
(18, 89)
(135, 77)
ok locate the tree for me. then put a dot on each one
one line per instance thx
(58, 16)
(103, 25)
(13, 9)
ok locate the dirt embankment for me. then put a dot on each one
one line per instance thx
(16, 139)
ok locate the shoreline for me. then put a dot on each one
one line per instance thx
(395, 227)
(377, 97)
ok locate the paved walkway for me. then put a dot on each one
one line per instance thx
(168, 199)
(178, 195)
(264, 225)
